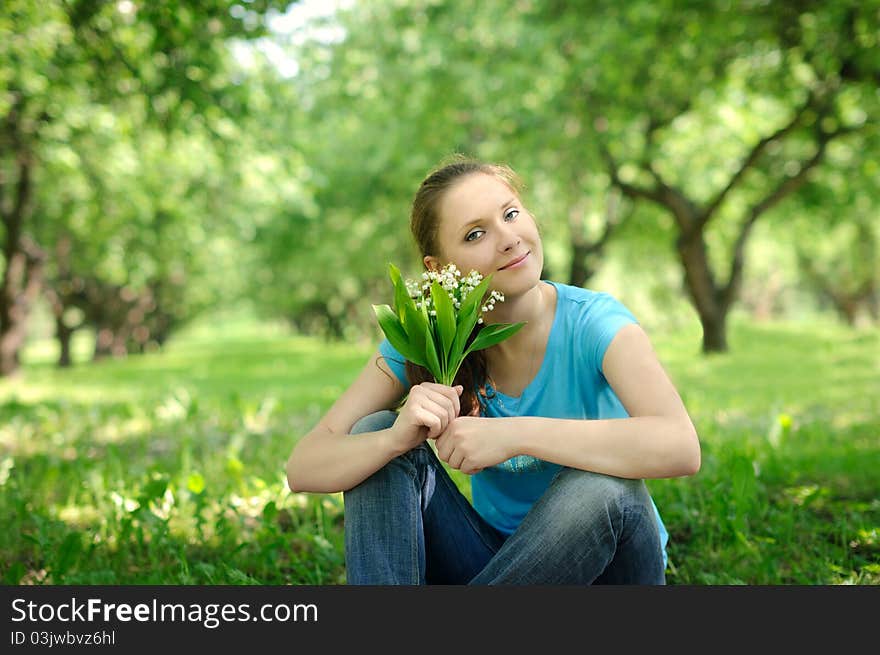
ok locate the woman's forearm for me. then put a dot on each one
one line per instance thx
(327, 462)
(644, 447)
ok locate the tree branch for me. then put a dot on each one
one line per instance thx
(12, 140)
(783, 189)
(22, 189)
(613, 219)
(654, 125)
(752, 157)
(629, 190)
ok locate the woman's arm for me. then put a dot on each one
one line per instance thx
(658, 440)
(328, 459)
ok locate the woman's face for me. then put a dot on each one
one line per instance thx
(484, 226)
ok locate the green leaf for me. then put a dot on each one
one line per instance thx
(433, 362)
(475, 297)
(445, 319)
(68, 552)
(270, 511)
(466, 323)
(493, 334)
(14, 573)
(424, 310)
(417, 329)
(401, 295)
(154, 488)
(468, 315)
(394, 274)
(395, 333)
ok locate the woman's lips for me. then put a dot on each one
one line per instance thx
(516, 263)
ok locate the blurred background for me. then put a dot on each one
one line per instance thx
(200, 199)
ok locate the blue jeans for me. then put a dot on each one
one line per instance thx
(409, 524)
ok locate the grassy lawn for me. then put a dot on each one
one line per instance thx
(168, 468)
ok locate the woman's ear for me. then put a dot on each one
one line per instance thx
(431, 263)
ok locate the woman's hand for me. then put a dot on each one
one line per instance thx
(471, 443)
(428, 410)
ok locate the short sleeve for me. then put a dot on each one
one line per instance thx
(395, 361)
(602, 319)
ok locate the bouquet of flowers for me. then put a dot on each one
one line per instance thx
(432, 319)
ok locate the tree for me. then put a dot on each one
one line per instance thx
(60, 59)
(703, 115)
(839, 259)
(704, 67)
(135, 216)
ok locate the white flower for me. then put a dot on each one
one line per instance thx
(458, 288)
(454, 283)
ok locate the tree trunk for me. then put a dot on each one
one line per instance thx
(585, 253)
(703, 292)
(11, 319)
(60, 295)
(64, 335)
(714, 334)
(11, 341)
(873, 304)
(103, 343)
(580, 273)
(20, 287)
(22, 276)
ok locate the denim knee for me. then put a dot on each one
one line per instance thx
(374, 422)
(580, 498)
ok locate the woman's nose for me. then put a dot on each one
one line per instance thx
(509, 238)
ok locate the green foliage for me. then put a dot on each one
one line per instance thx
(681, 91)
(169, 149)
(169, 484)
(168, 469)
(117, 123)
(435, 339)
(166, 162)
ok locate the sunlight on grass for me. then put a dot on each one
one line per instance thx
(169, 467)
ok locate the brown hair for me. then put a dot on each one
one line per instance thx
(424, 225)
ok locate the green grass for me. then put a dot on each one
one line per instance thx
(168, 468)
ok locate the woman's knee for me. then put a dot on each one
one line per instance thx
(575, 482)
(374, 422)
(580, 499)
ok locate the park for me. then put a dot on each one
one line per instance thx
(200, 201)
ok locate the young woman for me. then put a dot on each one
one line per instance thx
(558, 425)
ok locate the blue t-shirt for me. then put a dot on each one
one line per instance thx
(569, 385)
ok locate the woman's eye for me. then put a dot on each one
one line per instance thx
(509, 215)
